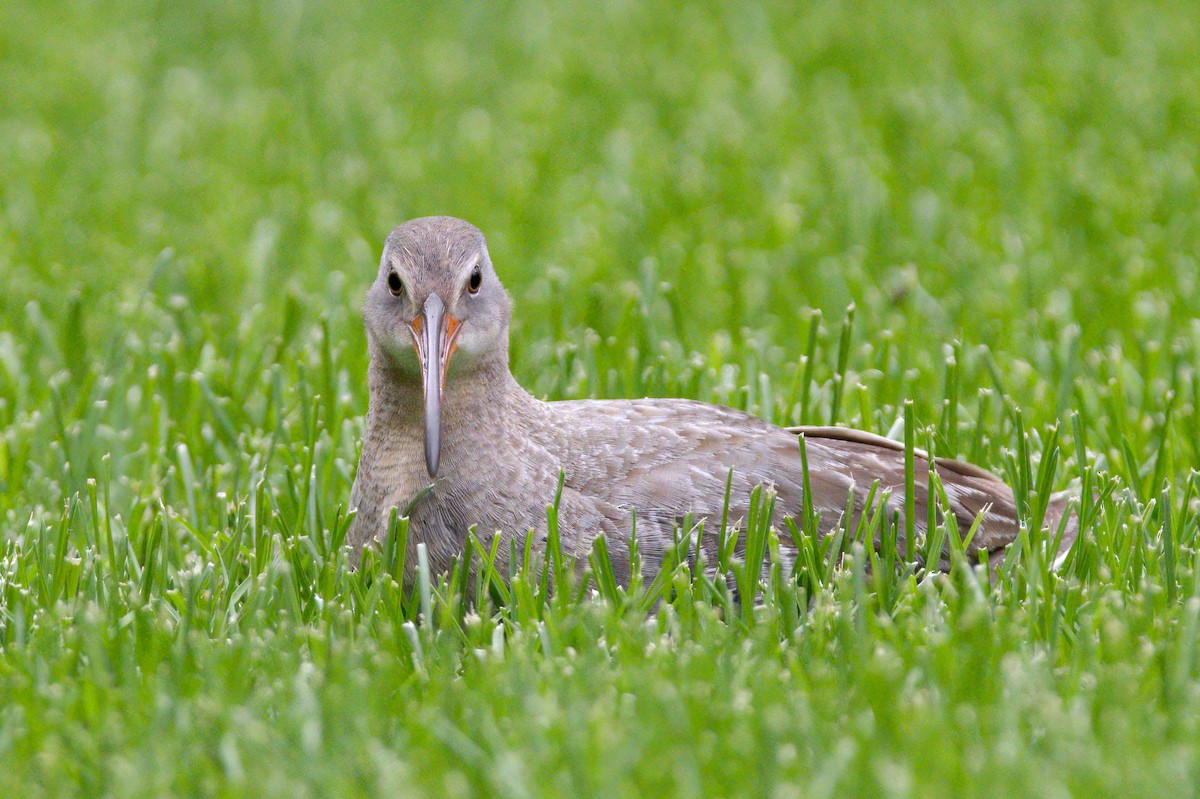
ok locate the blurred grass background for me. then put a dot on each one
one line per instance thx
(977, 167)
(192, 202)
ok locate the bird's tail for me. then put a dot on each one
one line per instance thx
(1063, 505)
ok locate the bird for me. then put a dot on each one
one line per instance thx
(454, 442)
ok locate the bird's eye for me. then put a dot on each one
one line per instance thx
(475, 281)
(395, 285)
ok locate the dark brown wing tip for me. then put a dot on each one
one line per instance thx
(872, 440)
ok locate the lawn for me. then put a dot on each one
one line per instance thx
(817, 212)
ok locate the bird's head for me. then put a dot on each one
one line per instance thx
(437, 312)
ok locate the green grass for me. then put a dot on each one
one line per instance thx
(192, 202)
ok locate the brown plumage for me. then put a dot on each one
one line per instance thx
(443, 402)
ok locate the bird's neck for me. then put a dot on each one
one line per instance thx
(479, 409)
(476, 406)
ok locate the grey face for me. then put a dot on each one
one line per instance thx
(437, 310)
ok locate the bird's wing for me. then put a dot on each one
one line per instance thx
(971, 490)
(664, 460)
(669, 458)
(873, 440)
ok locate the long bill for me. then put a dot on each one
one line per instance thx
(434, 332)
